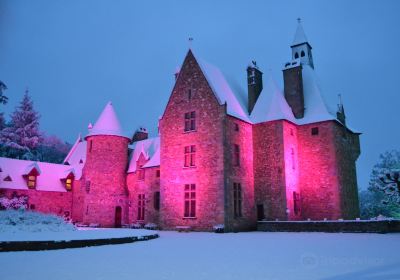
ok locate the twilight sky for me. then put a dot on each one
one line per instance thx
(76, 55)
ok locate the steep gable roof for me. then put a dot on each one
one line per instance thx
(77, 154)
(271, 105)
(150, 148)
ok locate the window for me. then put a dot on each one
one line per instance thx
(302, 54)
(314, 131)
(141, 207)
(190, 156)
(293, 160)
(190, 201)
(291, 131)
(236, 155)
(157, 200)
(190, 121)
(90, 145)
(296, 55)
(158, 173)
(236, 127)
(189, 94)
(68, 184)
(141, 173)
(31, 181)
(32, 206)
(7, 178)
(237, 200)
(296, 203)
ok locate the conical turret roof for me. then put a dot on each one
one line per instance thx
(300, 35)
(107, 123)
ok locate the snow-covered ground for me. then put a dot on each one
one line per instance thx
(253, 255)
(20, 225)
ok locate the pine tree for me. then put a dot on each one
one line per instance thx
(22, 136)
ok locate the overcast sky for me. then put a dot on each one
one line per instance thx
(76, 55)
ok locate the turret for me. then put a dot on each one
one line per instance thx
(104, 173)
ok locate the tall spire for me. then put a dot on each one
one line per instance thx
(301, 48)
(300, 35)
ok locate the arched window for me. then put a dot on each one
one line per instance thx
(302, 53)
(296, 55)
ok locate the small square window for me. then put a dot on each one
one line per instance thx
(158, 173)
(314, 131)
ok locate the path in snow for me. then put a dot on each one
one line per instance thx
(253, 255)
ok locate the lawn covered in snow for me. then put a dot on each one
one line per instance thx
(252, 255)
(21, 225)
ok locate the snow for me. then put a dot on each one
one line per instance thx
(48, 180)
(250, 255)
(107, 123)
(223, 91)
(150, 148)
(271, 105)
(299, 36)
(20, 225)
(77, 154)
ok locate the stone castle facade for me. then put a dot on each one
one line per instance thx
(221, 158)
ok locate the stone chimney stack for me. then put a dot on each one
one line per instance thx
(254, 85)
(140, 134)
(293, 88)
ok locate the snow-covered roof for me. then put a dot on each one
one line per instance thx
(107, 123)
(223, 91)
(299, 36)
(271, 104)
(150, 148)
(48, 180)
(77, 154)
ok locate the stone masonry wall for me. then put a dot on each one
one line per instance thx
(208, 174)
(149, 186)
(319, 177)
(104, 180)
(47, 202)
(240, 133)
(269, 169)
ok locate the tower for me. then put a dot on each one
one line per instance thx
(104, 191)
(301, 48)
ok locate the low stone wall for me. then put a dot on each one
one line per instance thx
(12, 246)
(384, 226)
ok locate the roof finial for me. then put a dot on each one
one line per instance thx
(190, 42)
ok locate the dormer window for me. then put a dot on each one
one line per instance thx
(69, 181)
(32, 181)
(7, 178)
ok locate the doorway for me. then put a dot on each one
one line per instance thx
(118, 216)
(260, 212)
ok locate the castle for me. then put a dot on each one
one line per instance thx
(221, 158)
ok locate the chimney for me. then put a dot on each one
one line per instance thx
(140, 134)
(340, 115)
(254, 85)
(293, 87)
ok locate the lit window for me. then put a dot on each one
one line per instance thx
(31, 181)
(190, 201)
(190, 156)
(141, 207)
(236, 155)
(237, 200)
(68, 184)
(190, 121)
